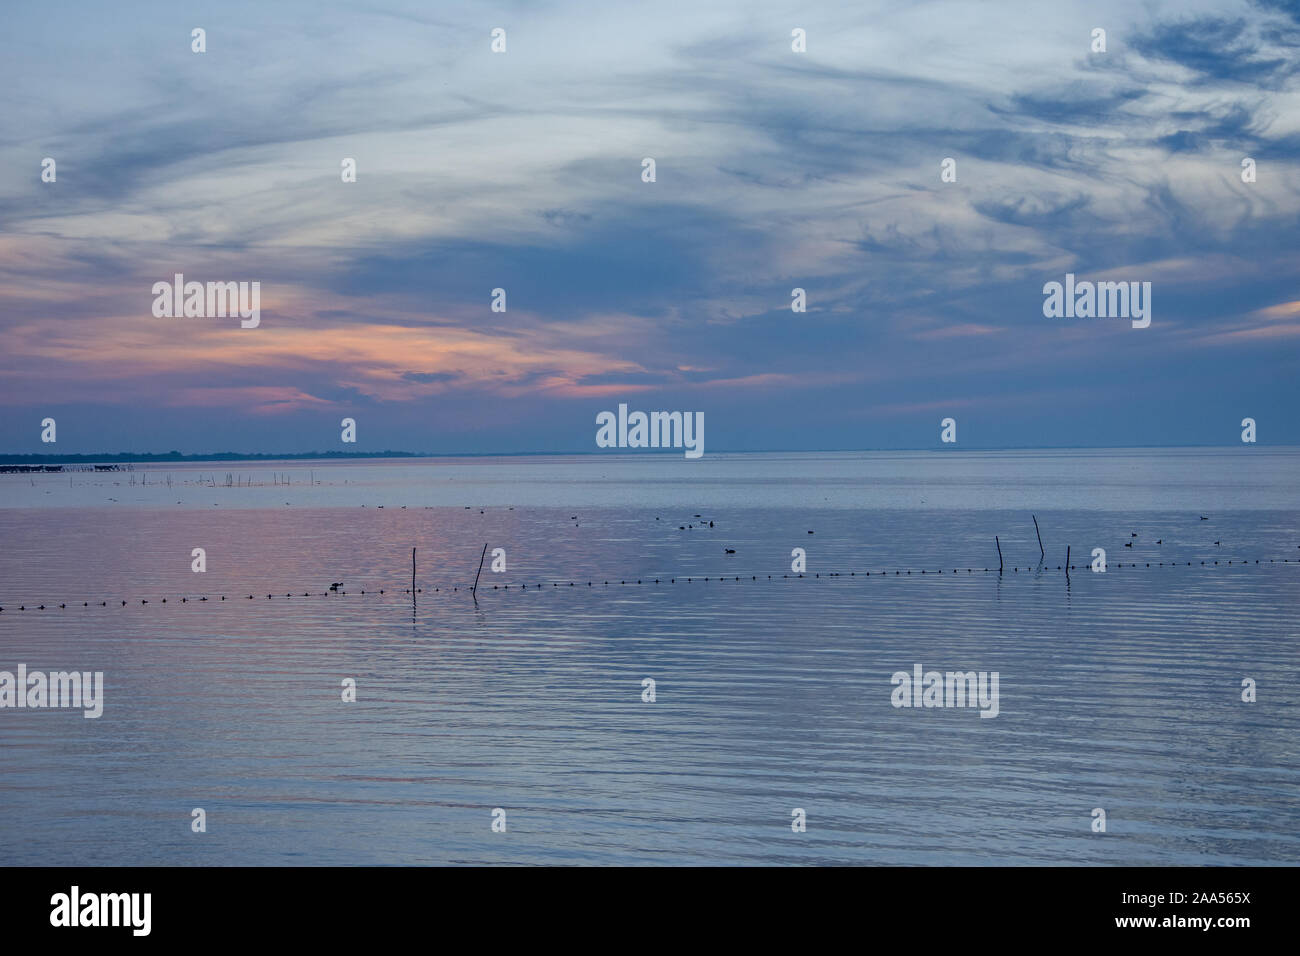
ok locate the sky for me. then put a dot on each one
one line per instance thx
(523, 170)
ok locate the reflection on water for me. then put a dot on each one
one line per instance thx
(1120, 691)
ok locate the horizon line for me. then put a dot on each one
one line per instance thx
(17, 458)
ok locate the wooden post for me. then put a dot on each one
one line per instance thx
(1041, 553)
(999, 544)
(474, 589)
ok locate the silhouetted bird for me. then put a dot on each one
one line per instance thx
(731, 550)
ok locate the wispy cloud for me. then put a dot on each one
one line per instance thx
(522, 171)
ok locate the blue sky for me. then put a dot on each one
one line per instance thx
(522, 170)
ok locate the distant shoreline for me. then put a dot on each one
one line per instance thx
(147, 458)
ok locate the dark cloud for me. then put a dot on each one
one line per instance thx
(1073, 107)
(632, 256)
(1216, 50)
(430, 378)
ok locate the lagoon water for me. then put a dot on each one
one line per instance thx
(1120, 690)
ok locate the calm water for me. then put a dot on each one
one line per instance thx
(1119, 690)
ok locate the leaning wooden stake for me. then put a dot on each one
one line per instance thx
(1067, 560)
(999, 544)
(1041, 553)
(474, 589)
(412, 570)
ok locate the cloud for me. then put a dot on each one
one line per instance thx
(1215, 49)
(775, 170)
